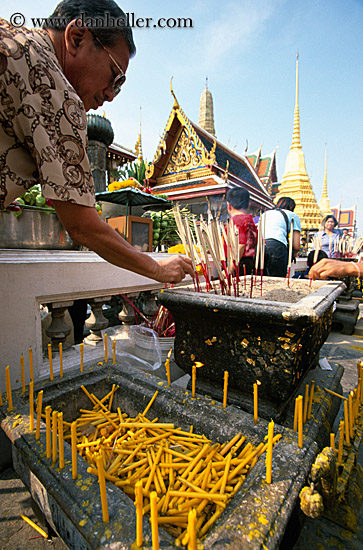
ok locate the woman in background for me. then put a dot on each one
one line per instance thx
(277, 228)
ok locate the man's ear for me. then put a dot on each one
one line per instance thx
(75, 35)
(228, 208)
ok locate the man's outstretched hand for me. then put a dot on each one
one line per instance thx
(333, 268)
(174, 269)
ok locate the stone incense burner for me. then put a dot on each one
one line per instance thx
(274, 342)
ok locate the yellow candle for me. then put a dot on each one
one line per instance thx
(341, 442)
(54, 436)
(1, 400)
(50, 361)
(81, 346)
(139, 515)
(39, 414)
(61, 441)
(192, 529)
(8, 388)
(114, 352)
(154, 520)
(306, 402)
(74, 449)
(300, 420)
(31, 406)
(225, 387)
(360, 367)
(31, 363)
(167, 369)
(296, 415)
(102, 484)
(332, 441)
(105, 341)
(270, 438)
(311, 397)
(48, 447)
(350, 406)
(346, 423)
(255, 400)
(34, 525)
(194, 376)
(61, 359)
(22, 373)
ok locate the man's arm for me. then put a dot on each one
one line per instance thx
(334, 268)
(85, 226)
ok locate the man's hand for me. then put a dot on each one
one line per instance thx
(174, 269)
(333, 268)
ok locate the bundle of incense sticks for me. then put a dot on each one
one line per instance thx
(185, 469)
(349, 247)
(214, 240)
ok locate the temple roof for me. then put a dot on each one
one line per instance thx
(188, 156)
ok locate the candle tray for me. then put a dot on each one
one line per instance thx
(274, 342)
(257, 517)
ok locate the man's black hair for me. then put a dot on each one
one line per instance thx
(286, 203)
(93, 11)
(238, 198)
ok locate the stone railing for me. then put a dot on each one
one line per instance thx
(31, 279)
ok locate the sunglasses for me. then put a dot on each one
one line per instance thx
(120, 79)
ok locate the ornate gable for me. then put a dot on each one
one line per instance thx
(180, 150)
(185, 156)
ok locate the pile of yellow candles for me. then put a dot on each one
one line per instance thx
(182, 479)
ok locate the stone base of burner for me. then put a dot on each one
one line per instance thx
(73, 508)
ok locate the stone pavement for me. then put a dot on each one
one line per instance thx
(317, 534)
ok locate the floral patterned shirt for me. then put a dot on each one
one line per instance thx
(43, 123)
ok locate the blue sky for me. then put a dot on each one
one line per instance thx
(247, 49)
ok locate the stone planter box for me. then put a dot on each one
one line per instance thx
(253, 339)
(256, 517)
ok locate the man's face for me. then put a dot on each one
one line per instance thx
(91, 71)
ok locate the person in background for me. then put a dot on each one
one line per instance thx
(335, 268)
(49, 78)
(238, 201)
(277, 229)
(345, 234)
(329, 236)
(303, 247)
(310, 263)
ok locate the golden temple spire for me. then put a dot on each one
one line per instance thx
(324, 202)
(296, 133)
(176, 103)
(295, 181)
(206, 114)
(138, 145)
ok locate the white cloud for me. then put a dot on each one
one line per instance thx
(233, 32)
